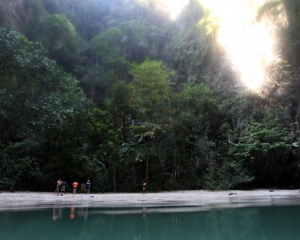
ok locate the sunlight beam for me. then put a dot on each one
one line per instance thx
(248, 42)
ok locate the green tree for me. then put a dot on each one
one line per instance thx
(59, 36)
(196, 120)
(59, 31)
(43, 112)
(151, 87)
(120, 109)
(264, 151)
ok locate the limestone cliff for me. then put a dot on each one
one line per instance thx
(19, 13)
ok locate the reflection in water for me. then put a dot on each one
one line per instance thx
(85, 215)
(83, 212)
(278, 222)
(55, 213)
(72, 212)
(144, 211)
(58, 211)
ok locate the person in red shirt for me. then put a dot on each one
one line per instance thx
(144, 186)
(75, 185)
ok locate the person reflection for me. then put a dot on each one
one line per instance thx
(57, 210)
(72, 212)
(60, 209)
(144, 212)
(86, 212)
(80, 212)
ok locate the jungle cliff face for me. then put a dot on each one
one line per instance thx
(19, 13)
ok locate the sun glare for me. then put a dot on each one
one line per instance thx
(174, 6)
(249, 43)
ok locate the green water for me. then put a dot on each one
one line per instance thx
(59, 222)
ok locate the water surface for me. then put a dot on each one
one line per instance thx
(152, 223)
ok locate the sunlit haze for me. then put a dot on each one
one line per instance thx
(174, 6)
(248, 42)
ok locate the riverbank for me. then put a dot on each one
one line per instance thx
(197, 198)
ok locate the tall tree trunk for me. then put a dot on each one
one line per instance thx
(133, 170)
(298, 98)
(148, 156)
(114, 159)
(291, 8)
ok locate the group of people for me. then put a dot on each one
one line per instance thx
(61, 187)
(85, 187)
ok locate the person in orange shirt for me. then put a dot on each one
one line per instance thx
(75, 185)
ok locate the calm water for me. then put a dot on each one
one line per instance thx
(61, 222)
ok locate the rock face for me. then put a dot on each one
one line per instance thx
(19, 13)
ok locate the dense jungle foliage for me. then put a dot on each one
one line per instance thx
(117, 92)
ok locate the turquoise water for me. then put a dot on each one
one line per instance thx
(61, 222)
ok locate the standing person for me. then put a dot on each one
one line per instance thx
(12, 187)
(58, 186)
(63, 187)
(87, 186)
(75, 185)
(144, 186)
(82, 187)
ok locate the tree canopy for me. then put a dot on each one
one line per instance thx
(119, 93)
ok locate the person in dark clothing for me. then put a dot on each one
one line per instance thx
(88, 186)
(63, 188)
(82, 187)
(12, 187)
